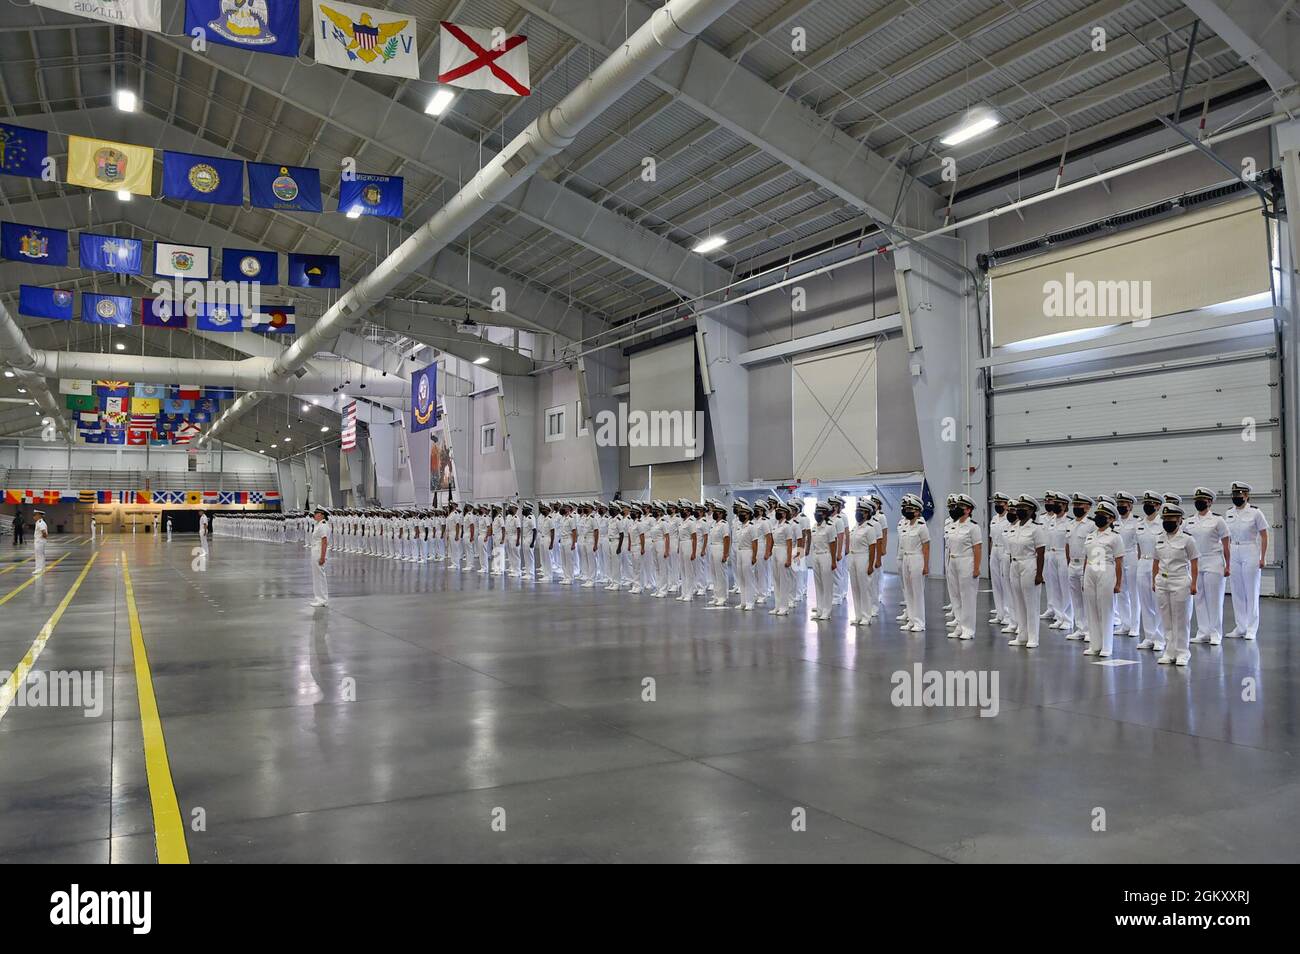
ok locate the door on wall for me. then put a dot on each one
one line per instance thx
(834, 412)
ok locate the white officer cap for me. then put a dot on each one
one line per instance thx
(1028, 500)
(1205, 492)
(1174, 499)
(1150, 496)
(1082, 498)
(866, 503)
(1056, 496)
(1172, 510)
(1125, 496)
(1105, 498)
(1240, 485)
(964, 500)
(1000, 497)
(1109, 509)
(950, 498)
(912, 500)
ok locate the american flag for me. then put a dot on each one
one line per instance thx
(350, 426)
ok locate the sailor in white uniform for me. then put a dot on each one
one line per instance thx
(864, 538)
(1147, 532)
(719, 552)
(1056, 571)
(913, 562)
(782, 562)
(1248, 532)
(999, 561)
(1076, 557)
(1103, 578)
(965, 551)
(1026, 544)
(1213, 546)
(824, 557)
(746, 542)
(1128, 608)
(1176, 571)
(40, 536)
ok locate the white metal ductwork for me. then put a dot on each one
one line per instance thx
(17, 352)
(668, 30)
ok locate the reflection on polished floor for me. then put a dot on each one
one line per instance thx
(435, 716)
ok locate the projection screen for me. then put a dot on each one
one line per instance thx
(662, 398)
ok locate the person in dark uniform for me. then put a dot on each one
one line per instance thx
(18, 526)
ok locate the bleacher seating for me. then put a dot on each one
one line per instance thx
(49, 479)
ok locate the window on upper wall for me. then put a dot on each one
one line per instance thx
(583, 430)
(554, 424)
(487, 439)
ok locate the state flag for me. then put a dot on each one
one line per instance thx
(116, 166)
(273, 320)
(137, 438)
(33, 244)
(75, 386)
(37, 302)
(286, 188)
(169, 421)
(82, 402)
(113, 388)
(105, 309)
(478, 58)
(23, 151)
(250, 265)
(114, 435)
(141, 14)
(150, 406)
(219, 393)
(172, 407)
(157, 313)
(92, 437)
(182, 261)
(211, 316)
(259, 26)
(364, 39)
(187, 392)
(194, 178)
(313, 271)
(150, 391)
(108, 253)
(368, 194)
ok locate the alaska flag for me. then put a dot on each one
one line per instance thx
(22, 150)
(287, 188)
(105, 309)
(372, 195)
(108, 253)
(313, 271)
(250, 265)
(33, 244)
(277, 33)
(159, 314)
(44, 302)
(193, 178)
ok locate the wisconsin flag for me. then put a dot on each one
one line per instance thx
(360, 38)
(367, 194)
(182, 261)
(141, 14)
(116, 166)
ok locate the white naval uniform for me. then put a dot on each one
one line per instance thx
(512, 525)
(1076, 537)
(1174, 555)
(718, 536)
(912, 536)
(963, 538)
(40, 533)
(1024, 593)
(841, 588)
(862, 537)
(803, 524)
(1209, 530)
(1128, 607)
(1056, 572)
(999, 567)
(1102, 549)
(1148, 531)
(823, 536)
(320, 587)
(876, 578)
(1245, 524)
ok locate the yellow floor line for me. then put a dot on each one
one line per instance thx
(19, 675)
(10, 569)
(168, 825)
(22, 586)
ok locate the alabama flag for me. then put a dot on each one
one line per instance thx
(475, 58)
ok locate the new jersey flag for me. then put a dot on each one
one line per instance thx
(116, 166)
(195, 178)
(250, 265)
(33, 244)
(108, 253)
(273, 320)
(313, 271)
(287, 188)
(360, 38)
(22, 150)
(141, 14)
(105, 309)
(368, 194)
(258, 26)
(182, 261)
(44, 302)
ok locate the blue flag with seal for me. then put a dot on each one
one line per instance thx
(219, 393)
(250, 265)
(367, 194)
(213, 316)
(23, 150)
(194, 178)
(105, 309)
(44, 302)
(287, 188)
(424, 398)
(258, 26)
(108, 253)
(33, 244)
(313, 271)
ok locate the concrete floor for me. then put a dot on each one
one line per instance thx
(476, 698)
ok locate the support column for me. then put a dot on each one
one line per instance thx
(728, 398)
(1288, 317)
(520, 422)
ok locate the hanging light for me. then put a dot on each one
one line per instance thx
(439, 101)
(976, 122)
(125, 100)
(710, 244)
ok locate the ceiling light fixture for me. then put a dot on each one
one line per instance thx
(710, 244)
(354, 212)
(123, 195)
(9, 374)
(439, 101)
(324, 429)
(482, 359)
(125, 100)
(974, 123)
(120, 346)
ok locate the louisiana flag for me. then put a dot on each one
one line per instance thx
(287, 188)
(33, 244)
(105, 309)
(44, 302)
(116, 166)
(23, 150)
(256, 27)
(313, 271)
(194, 178)
(367, 194)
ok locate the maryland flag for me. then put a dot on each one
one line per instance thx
(115, 166)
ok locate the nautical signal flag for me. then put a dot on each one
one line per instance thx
(157, 313)
(141, 14)
(105, 309)
(313, 271)
(250, 265)
(257, 26)
(194, 178)
(44, 302)
(115, 166)
(287, 188)
(367, 194)
(33, 244)
(473, 58)
(23, 150)
(360, 38)
(108, 253)
(182, 261)
(273, 320)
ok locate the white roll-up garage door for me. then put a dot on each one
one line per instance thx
(834, 413)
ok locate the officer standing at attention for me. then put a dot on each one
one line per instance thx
(1075, 556)
(1127, 604)
(913, 562)
(864, 538)
(1057, 570)
(719, 552)
(1148, 531)
(1103, 578)
(40, 534)
(1248, 531)
(825, 559)
(1027, 551)
(1176, 571)
(746, 543)
(999, 561)
(1210, 531)
(321, 539)
(963, 566)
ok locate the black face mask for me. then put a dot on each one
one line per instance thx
(1101, 520)
(1202, 506)
(1148, 509)
(1238, 501)
(909, 514)
(955, 512)
(999, 509)
(1170, 525)
(1024, 516)
(1123, 511)
(1079, 512)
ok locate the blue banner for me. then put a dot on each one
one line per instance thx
(22, 150)
(424, 398)
(44, 302)
(105, 309)
(216, 317)
(219, 393)
(250, 265)
(194, 178)
(266, 26)
(313, 271)
(171, 420)
(33, 244)
(114, 435)
(371, 195)
(108, 253)
(287, 188)
(162, 313)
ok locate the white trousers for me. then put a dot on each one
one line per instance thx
(1245, 588)
(1128, 605)
(1175, 602)
(860, 584)
(745, 573)
(1078, 606)
(1056, 577)
(320, 587)
(1209, 603)
(964, 589)
(39, 565)
(823, 581)
(1149, 611)
(1026, 599)
(719, 569)
(1000, 578)
(1099, 598)
(909, 566)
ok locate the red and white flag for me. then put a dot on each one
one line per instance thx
(475, 58)
(349, 429)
